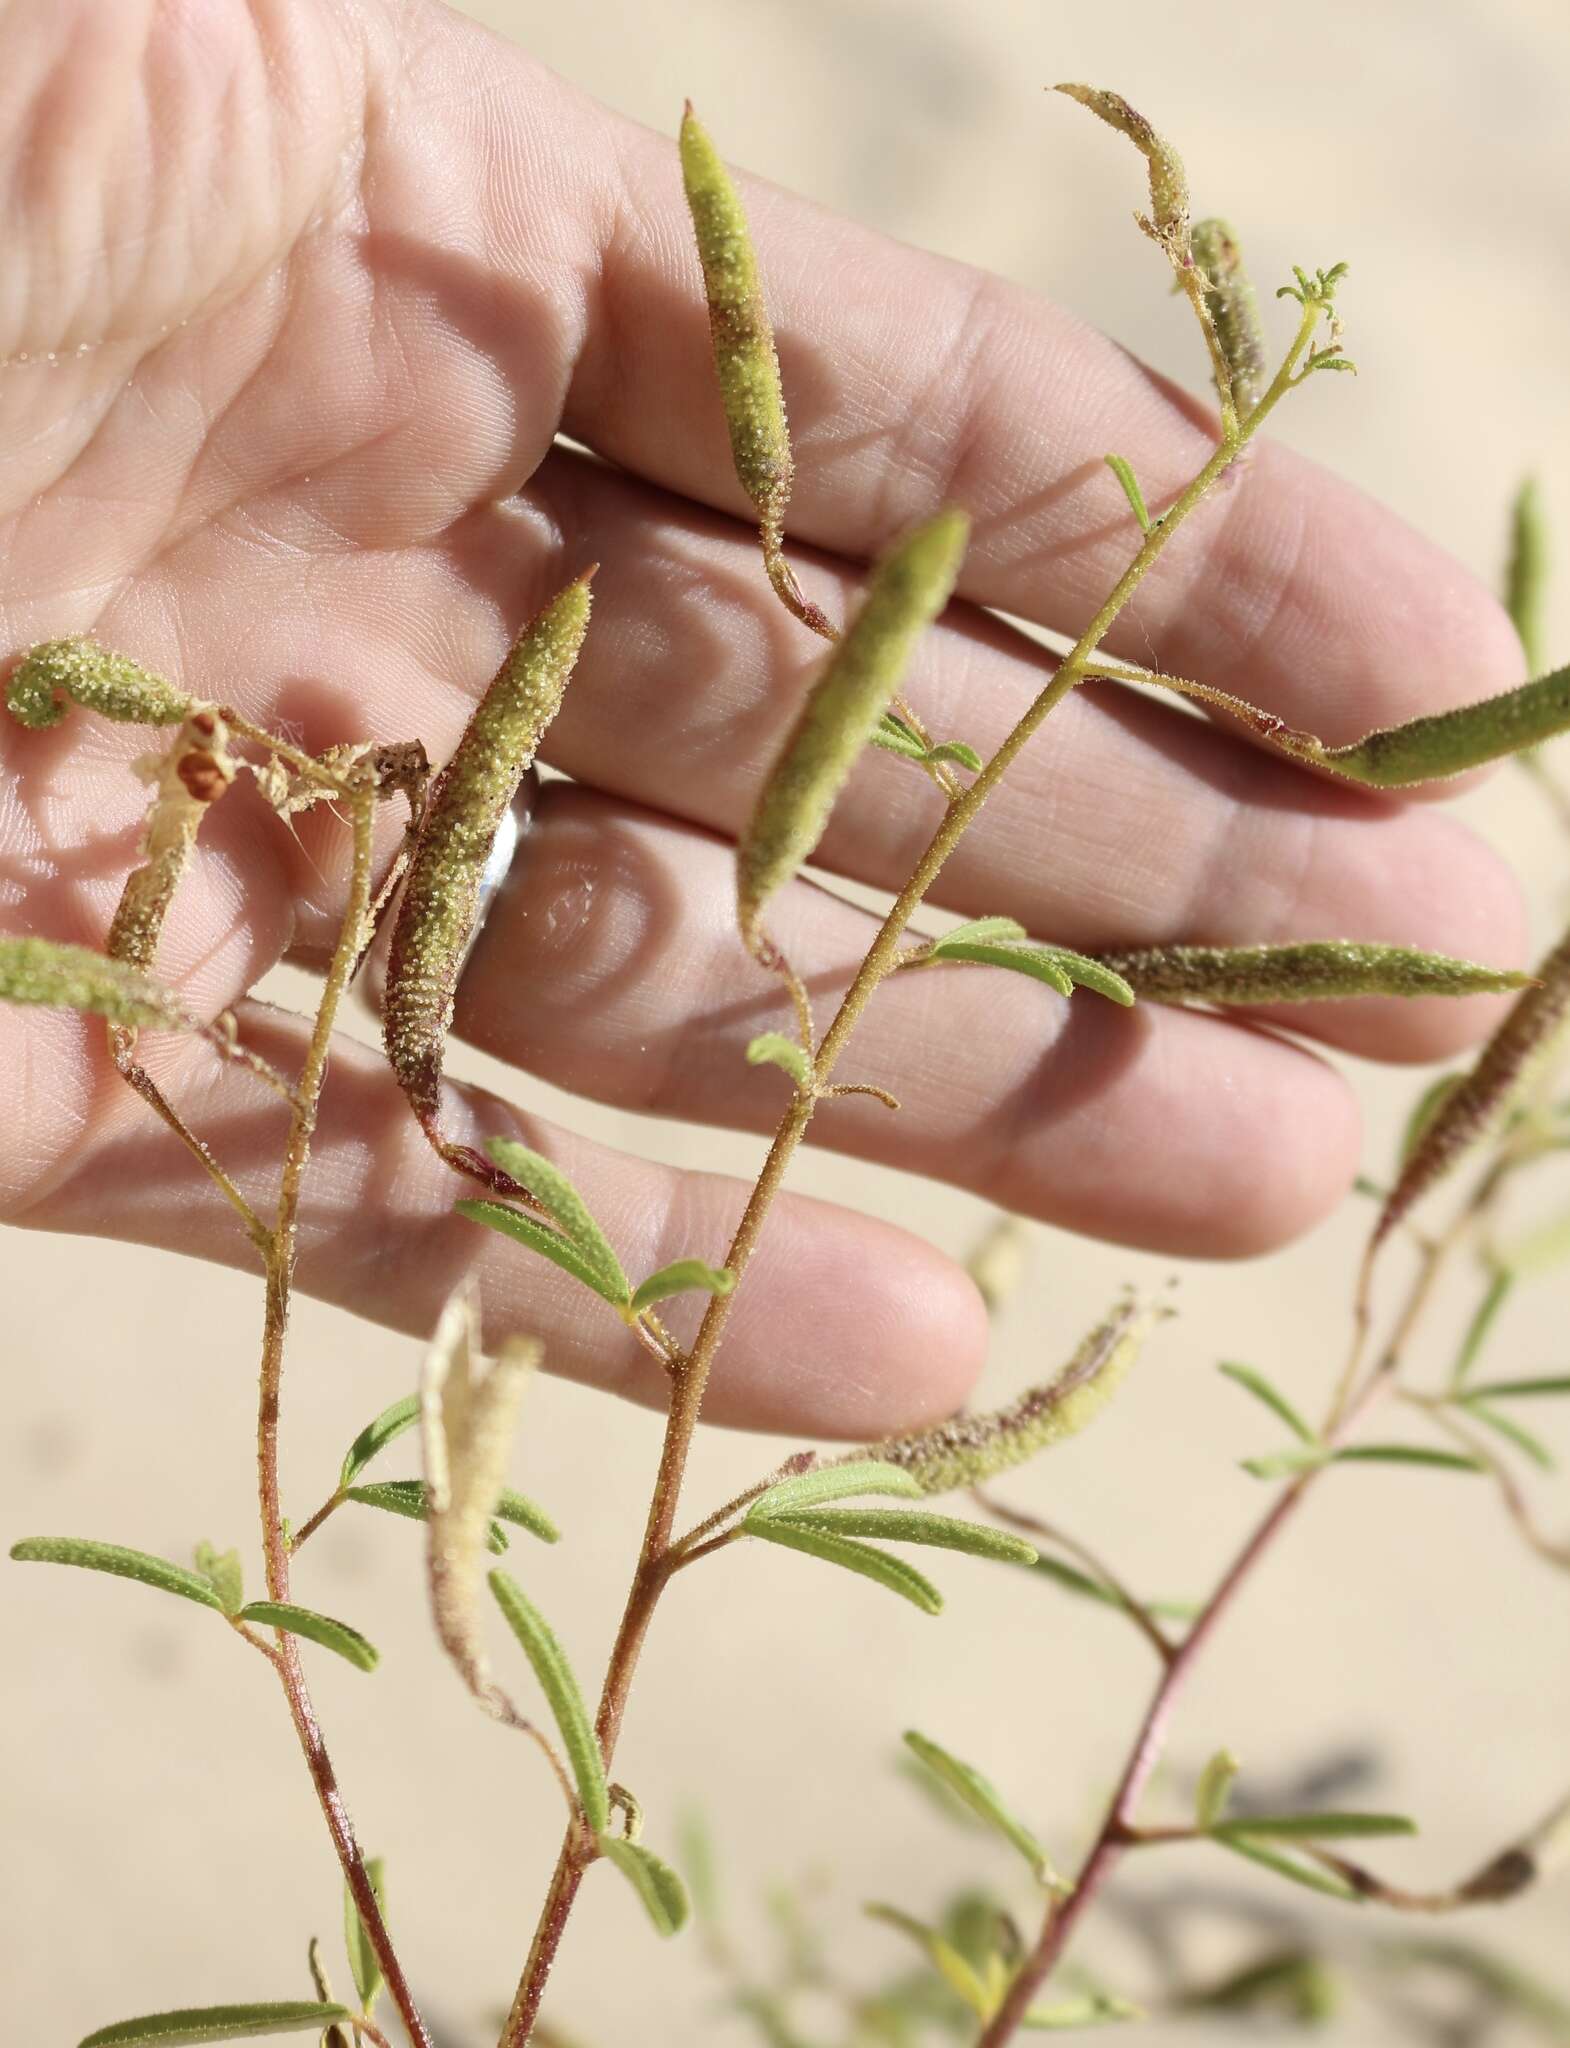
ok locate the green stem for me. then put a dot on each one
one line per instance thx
(690, 1380)
(275, 1547)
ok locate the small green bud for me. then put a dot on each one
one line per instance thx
(909, 587)
(1234, 311)
(1168, 224)
(87, 674)
(972, 1448)
(441, 894)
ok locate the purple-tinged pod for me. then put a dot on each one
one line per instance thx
(441, 895)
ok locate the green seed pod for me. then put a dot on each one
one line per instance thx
(972, 1448)
(1480, 1101)
(440, 902)
(744, 357)
(1319, 970)
(1449, 742)
(1234, 311)
(1168, 181)
(89, 675)
(59, 977)
(909, 587)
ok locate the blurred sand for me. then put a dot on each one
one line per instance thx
(164, 1847)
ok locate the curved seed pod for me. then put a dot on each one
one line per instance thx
(909, 587)
(1234, 311)
(84, 673)
(1481, 1099)
(1168, 224)
(440, 901)
(745, 361)
(1449, 742)
(1317, 971)
(972, 1448)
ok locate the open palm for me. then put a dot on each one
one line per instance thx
(297, 297)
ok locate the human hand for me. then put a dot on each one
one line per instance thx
(297, 296)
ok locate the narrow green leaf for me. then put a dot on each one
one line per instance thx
(1526, 574)
(1256, 1384)
(773, 1048)
(1100, 2009)
(1513, 1432)
(1095, 975)
(316, 1628)
(363, 1966)
(891, 1572)
(560, 1688)
(1499, 1288)
(663, 1894)
(1036, 961)
(959, 1975)
(981, 1797)
(1406, 1454)
(1544, 1249)
(1512, 1390)
(120, 1562)
(1291, 1867)
(894, 736)
(979, 930)
(959, 753)
(834, 1482)
(1072, 1580)
(1123, 470)
(525, 1514)
(409, 1497)
(222, 1571)
(1287, 1464)
(1215, 1788)
(683, 1276)
(551, 1187)
(200, 2023)
(377, 1435)
(698, 1860)
(551, 1244)
(1313, 1827)
(916, 1525)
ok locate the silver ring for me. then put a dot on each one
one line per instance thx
(510, 835)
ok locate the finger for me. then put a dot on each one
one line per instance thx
(844, 1326)
(610, 965)
(1127, 822)
(912, 379)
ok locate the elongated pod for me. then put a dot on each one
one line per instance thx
(1234, 311)
(1479, 1102)
(909, 587)
(440, 902)
(972, 1448)
(1168, 222)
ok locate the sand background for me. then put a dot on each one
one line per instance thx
(163, 1847)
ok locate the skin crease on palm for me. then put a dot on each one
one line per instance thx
(296, 298)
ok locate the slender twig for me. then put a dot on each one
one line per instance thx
(1044, 1532)
(689, 1381)
(275, 1546)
